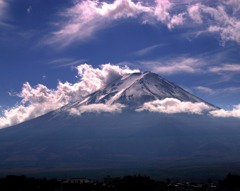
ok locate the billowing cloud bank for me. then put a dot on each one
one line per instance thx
(235, 112)
(39, 100)
(86, 17)
(171, 106)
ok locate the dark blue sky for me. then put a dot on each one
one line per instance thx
(194, 44)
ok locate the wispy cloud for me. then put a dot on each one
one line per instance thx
(217, 91)
(222, 19)
(206, 90)
(64, 62)
(29, 9)
(225, 68)
(146, 50)
(3, 12)
(181, 64)
(87, 17)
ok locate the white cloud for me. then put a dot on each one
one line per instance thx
(171, 105)
(39, 100)
(97, 108)
(235, 112)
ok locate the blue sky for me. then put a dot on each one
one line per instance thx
(194, 44)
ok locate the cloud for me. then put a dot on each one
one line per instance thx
(162, 10)
(218, 91)
(225, 68)
(38, 100)
(29, 9)
(194, 13)
(224, 91)
(64, 62)
(87, 17)
(176, 20)
(146, 50)
(172, 105)
(235, 112)
(206, 90)
(234, 4)
(218, 19)
(97, 108)
(176, 65)
(44, 77)
(3, 12)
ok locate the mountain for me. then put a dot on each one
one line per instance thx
(133, 90)
(126, 141)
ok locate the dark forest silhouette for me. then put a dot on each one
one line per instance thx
(22, 183)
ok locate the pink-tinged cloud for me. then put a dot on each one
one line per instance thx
(85, 18)
(194, 12)
(176, 20)
(218, 19)
(162, 10)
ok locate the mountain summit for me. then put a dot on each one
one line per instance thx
(133, 90)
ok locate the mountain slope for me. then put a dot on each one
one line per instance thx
(127, 140)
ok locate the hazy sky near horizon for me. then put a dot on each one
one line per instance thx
(193, 43)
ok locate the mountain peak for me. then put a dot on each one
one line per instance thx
(133, 90)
